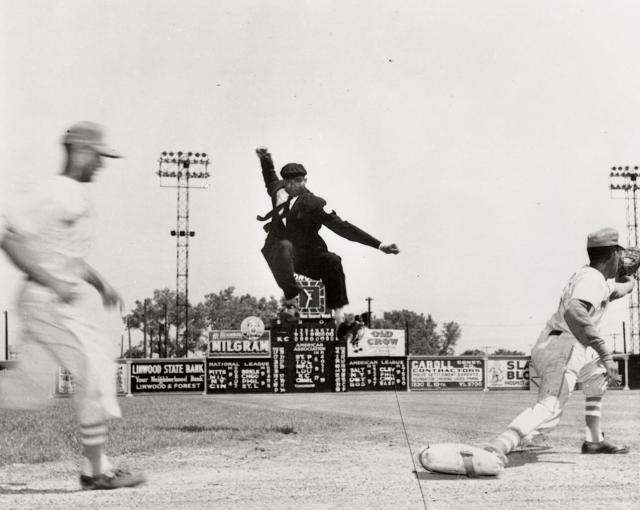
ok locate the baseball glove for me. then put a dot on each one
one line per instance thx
(629, 262)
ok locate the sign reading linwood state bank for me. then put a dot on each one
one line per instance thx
(167, 376)
(434, 373)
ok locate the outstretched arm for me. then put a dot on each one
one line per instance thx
(271, 181)
(349, 231)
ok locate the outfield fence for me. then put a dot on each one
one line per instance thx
(307, 357)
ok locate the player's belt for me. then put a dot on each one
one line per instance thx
(555, 332)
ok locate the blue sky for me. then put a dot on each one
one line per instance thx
(476, 135)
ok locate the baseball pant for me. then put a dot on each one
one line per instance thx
(284, 259)
(54, 334)
(560, 361)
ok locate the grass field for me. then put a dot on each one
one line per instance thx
(317, 451)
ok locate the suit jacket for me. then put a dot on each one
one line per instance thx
(305, 218)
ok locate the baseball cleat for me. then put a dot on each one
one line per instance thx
(604, 446)
(531, 442)
(116, 479)
(501, 456)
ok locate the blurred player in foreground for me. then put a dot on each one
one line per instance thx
(560, 355)
(293, 243)
(47, 236)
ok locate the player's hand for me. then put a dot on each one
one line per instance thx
(263, 152)
(612, 372)
(110, 298)
(390, 248)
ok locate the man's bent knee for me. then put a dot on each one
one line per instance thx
(284, 245)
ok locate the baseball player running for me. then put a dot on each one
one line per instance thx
(560, 354)
(47, 237)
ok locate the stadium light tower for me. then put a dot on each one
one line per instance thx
(623, 183)
(183, 170)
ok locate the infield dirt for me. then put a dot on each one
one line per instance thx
(363, 463)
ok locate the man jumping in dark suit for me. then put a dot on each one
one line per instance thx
(293, 243)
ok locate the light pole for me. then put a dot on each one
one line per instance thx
(183, 171)
(6, 335)
(368, 300)
(625, 179)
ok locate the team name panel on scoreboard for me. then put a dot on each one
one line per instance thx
(238, 376)
(367, 374)
(307, 357)
(167, 376)
(431, 373)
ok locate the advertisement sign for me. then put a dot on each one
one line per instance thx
(508, 373)
(122, 378)
(377, 342)
(63, 382)
(307, 357)
(167, 376)
(235, 344)
(377, 374)
(238, 376)
(434, 373)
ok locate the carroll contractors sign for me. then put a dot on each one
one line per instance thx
(508, 374)
(426, 373)
(369, 343)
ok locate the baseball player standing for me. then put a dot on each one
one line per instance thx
(47, 237)
(560, 354)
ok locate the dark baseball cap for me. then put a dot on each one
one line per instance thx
(89, 134)
(291, 170)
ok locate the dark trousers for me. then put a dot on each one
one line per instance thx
(284, 260)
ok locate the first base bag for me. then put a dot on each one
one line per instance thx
(460, 459)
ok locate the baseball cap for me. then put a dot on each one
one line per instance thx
(291, 170)
(89, 133)
(604, 237)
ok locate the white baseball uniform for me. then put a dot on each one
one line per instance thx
(561, 360)
(54, 219)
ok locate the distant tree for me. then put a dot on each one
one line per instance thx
(222, 310)
(424, 337)
(225, 310)
(472, 352)
(134, 352)
(160, 330)
(508, 352)
(499, 352)
(451, 334)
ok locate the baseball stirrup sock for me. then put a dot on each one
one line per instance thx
(592, 414)
(506, 441)
(93, 435)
